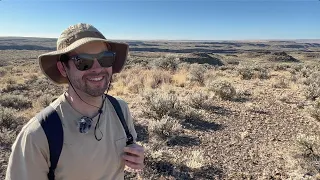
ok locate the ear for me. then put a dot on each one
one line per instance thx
(61, 69)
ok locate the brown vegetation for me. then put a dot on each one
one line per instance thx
(246, 118)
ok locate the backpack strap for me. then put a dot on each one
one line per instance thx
(52, 126)
(119, 112)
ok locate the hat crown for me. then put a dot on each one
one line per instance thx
(76, 32)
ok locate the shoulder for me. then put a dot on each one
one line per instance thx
(31, 136)
(122, 102)
(32, 128)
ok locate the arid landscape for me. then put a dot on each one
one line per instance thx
(202, 109)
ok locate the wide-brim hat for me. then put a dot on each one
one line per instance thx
(70, 39)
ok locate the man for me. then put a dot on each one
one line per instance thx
(85, 61)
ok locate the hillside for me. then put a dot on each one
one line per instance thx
(202, 110)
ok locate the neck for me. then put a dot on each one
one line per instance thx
(88, 108)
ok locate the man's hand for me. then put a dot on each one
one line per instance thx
(134, 156)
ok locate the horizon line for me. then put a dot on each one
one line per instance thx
(292, 39)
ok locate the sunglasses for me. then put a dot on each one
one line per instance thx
(84, 62)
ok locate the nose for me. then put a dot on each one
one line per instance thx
(96, 65)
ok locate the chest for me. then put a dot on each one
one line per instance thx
(84, 157)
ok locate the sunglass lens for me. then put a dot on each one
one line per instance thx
(106, 61)
(83, 64)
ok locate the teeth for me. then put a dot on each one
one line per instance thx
(96, 79)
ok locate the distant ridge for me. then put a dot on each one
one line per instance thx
(182, 40)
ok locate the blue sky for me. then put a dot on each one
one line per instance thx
(164, 19)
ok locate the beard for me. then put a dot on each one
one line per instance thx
(82, 84)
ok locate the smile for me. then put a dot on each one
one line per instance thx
(96, 78)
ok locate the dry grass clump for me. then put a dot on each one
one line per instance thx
(179, 79)
(136, 81)
(154, 79)
(222, 89)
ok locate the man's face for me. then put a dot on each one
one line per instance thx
(95, 80)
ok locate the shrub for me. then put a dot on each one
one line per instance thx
(159, 104)
(157, 78)
(169, 63)
(45, 100)
(306, 72)
(165, 127)
(315, 110)
(233, 61)
(16, 87)
(8, 120)
(15, 101)
(312, 78)
(308, 145)
(197, 100)
(312, 91)
(33, 78)
(3, 72)
(281, 67)
(223, 89)
(135, 86)
(280, 83)
(196, 74)
(246, 73)
(263, 73)
(11, 81)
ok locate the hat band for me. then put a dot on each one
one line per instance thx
(85, 34)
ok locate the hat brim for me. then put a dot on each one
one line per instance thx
(48, 61)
